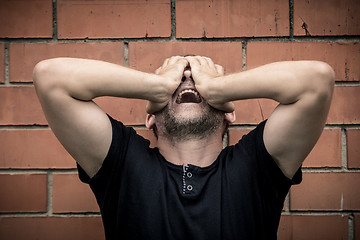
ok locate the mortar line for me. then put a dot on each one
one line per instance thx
(49, 194)
(126, 54)
(351, 227)
(291, 18)
(54, 20)
(333, 39)
(173, 19)
(287, 202)
(244, 55)
(37, 171)
(6, 63)
(42, 214)
(320, 212)
(343, 149)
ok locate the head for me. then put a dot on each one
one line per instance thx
(188, 116)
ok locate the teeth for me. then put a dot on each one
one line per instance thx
(178, 100)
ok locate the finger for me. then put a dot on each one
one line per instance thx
(201, 60)
(157, 71)
(210, 62)
(219, 69)
(174, 59)
(193, 62)
(165, 63)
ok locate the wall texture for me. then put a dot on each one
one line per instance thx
(40, 194)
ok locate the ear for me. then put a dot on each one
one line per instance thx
(150, 121)
(230, 117)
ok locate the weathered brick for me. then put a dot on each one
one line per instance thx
(36, 148)
(356, 227)
(29, 112)
(332, 17)
(352, 147)
(253, 111)
(113, 19)
(20, 106)
(23, 193)
(2, 63)
(326, 191)
(327, 151)
(71, 195)
(128, 111)
(313, 227)
(26, 19)
(145, 56)
(24, 56)
(344, 57)
(234, 18)
(55, 228)
(343, 110)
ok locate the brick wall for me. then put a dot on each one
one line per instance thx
(40, 195)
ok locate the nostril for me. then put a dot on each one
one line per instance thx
(183, 79)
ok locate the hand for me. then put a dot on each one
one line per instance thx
(171, 72)
(205, 74)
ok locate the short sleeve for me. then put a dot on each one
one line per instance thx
(111, 166)
(269, 170)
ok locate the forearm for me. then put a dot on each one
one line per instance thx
(285, 82)
(87, 79)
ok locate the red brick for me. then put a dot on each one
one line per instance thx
(23, 193)
(71, 195)
(326, 191)
(356, 227)
(37, 148)
(20, 106)
(353, 151)
(327, 151)
(330, 17)
(313, 227)
(145, 56)
(113, 19)
(253, 111)
(28, 109)
(236, 134)
(55, 228)
(2, 63)
(26, 19)
(149, 135)
(128, 111)
(344, 57)
(24, 56)
(234, 18)
(344, 109)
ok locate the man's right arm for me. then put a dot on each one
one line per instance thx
(66, 87)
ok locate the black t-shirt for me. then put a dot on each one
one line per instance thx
(142, 196)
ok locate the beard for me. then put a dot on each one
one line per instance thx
(180, 128)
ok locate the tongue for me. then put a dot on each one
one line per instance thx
(189, 98)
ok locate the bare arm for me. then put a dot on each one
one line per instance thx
(66, 87)
(304, 91)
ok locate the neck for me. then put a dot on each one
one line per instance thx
(201, 152)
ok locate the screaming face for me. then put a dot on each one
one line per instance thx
(188, 116)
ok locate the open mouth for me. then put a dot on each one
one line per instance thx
(188, 96)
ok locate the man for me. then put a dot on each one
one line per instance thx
(189, 187)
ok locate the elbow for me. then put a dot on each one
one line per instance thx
(323, 80)
(44, 74)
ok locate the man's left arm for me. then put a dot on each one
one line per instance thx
(303, 90)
